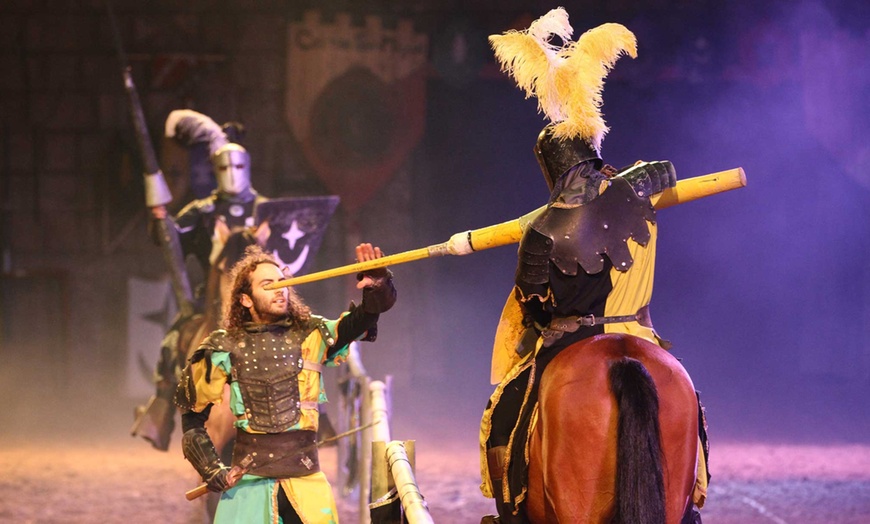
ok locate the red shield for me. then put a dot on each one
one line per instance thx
(355, 100)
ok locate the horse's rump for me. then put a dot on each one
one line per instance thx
(573, 448)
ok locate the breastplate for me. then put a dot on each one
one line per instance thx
(266, 366)
(236, 214)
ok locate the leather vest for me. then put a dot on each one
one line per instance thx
(266, 364)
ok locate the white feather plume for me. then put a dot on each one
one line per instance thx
(568, 79)
(191, 127)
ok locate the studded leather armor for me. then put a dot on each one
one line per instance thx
(266, 361)
(266, 365)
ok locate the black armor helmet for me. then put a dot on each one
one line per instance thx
(557, 155)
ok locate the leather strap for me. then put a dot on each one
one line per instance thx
(313, 366)
(560, 325)
(303, 404)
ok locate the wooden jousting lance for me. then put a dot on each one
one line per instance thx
(511, 232)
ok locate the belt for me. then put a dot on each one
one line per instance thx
(278, 455)
(560, 325)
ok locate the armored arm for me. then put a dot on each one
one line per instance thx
(649, 178)
(196, 444)
(199, 450)
(533, 276)
(191, 227)
(194, 231)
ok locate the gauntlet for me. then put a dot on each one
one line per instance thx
(199, 451)
(649, 178)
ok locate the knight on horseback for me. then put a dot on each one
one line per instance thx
(585, 265)
(215, 230)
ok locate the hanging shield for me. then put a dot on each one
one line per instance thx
(297, 226)
(355, 98)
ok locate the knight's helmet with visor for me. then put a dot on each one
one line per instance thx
(567, 78)
(231, 162)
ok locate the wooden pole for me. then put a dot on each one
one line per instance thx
(511, 232)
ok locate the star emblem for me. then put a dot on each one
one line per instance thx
(293, 234)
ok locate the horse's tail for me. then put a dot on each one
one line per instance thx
(640, 492)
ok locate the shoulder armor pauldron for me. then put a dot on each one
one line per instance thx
(584, 234)
(185, 392)
(217, 340)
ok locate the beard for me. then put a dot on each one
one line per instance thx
(271, 309)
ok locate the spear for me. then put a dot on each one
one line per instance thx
(511, 232)
(156, 190)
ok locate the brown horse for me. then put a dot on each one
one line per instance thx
(616, 438)
(155, 421)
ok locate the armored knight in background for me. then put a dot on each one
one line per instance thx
(271, 354)
(215, 230)
(204, 225)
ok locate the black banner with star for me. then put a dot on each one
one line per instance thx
(297, 226)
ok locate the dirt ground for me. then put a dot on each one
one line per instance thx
(51, 477)
(83, 467)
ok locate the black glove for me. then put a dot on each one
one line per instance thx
(380, 295)
(199, 451)
(649, 178)
(218, 481)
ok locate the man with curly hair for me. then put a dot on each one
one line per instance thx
(271, 353)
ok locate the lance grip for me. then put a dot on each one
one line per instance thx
(196, 492)
(511, 232)
(233, 476)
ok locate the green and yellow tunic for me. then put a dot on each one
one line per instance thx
(254, 499)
